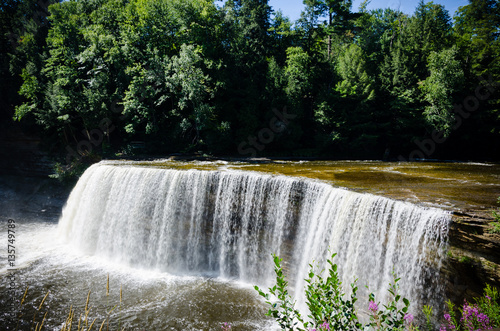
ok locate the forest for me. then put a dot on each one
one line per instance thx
(155, 77)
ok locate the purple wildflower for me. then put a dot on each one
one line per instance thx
(483, 318)
(450, 325)
(473, 319)
(408, 318)
(373, 306)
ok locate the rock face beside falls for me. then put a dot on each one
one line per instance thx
(473, 257)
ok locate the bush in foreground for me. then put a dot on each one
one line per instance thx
(330, 309)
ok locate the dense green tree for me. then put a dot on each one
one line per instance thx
(193, 76)
(169, 81)
(446, 78)
(477, 29)
(340, 21)
(310, 29)
(326, 22)
(282, 35)
(353, 70)
(248, 48)
(377, 31)
(298, 74)
(52, 89)
(23, 32)
(431, 29)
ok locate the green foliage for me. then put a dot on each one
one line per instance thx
(489, 304)
(483, 315)
(496, 226)
(465, 260)
(446, 77)
(194, 76)
(428, 317)
(431, 27)
(451, 317)
(283, 311)
(329, 309)
(393, 316)
(355, 79)
(326, 300)
(70, 173)
(476, 28)
(297, 73)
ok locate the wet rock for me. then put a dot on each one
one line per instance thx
(473, 258)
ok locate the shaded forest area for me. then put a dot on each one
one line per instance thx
(100, 77)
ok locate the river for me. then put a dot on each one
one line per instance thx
(194, 276)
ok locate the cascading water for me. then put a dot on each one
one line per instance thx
(227, 224)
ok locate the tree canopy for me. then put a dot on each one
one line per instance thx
(197, 76)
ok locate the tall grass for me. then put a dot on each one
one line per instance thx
(81, 322)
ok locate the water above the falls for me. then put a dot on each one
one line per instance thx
(226, 224)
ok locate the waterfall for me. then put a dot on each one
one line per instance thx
(227, 224)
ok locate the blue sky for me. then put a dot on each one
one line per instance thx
(292, 8)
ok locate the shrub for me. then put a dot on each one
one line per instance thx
(329, 309)
(484, 315)
(489, 304)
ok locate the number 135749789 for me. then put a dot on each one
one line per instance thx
(11, 243)
(11, 264)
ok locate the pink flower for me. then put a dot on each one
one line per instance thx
(373, 306)
(408, 317)
(325, 326)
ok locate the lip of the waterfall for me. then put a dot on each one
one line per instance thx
(451, 186)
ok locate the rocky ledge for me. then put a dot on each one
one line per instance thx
(473, 257)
